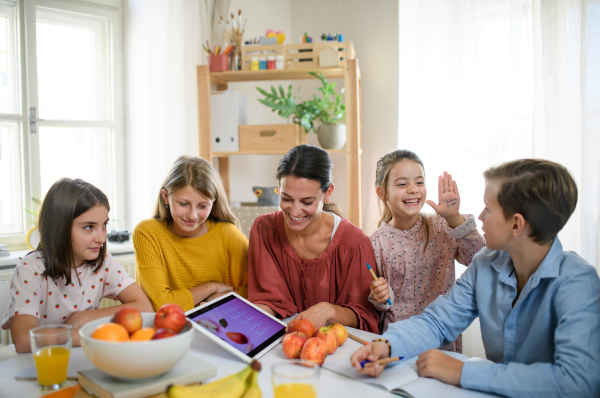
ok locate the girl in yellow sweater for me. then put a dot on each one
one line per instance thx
(190, 251)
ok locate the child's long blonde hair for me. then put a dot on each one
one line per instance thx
(200, 175)
(384, 165)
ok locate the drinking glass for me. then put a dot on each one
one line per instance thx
(51, 347)
(295, 379)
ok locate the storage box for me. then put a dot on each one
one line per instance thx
(271, 137)
(218, 63)
(297, 56)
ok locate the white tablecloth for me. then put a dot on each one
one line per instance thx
(331, 384)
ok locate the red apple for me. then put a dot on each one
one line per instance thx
(315, 350)
(329, 336)
(237, 338)
(342, 333)
(163, 333)
(170, 316)
(303, 326)
(293, 343)
(130, 318)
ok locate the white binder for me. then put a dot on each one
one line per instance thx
(228, 111)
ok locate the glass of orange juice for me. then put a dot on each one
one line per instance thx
(295, 379)
(51, 347)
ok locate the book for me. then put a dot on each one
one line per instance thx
(187, 371)
(402, 379)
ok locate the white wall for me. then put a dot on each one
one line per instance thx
(373, 28)
(257, 170)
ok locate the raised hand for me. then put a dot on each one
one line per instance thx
(448, 201)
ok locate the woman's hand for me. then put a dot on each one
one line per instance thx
(318, 314)
(380, 290)
(448, 201)
(436, 364)
(371, 352)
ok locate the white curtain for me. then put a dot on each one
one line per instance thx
(163, 46)
(567, 108)
(487, 81)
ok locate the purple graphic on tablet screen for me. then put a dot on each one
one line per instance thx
(239, 324)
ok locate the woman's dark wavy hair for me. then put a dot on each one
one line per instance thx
(312, 163)
(66, 200)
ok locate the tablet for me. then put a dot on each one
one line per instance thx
(237, 325)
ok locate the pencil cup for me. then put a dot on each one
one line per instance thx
(51, 347)
(218, 63)
(297, 378)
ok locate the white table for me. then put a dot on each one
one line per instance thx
(331, 384)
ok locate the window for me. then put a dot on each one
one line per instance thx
(67, 120)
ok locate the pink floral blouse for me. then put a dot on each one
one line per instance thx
(416, 276)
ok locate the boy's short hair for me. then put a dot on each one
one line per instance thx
(543, 192)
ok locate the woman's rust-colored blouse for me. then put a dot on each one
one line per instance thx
(280, 279)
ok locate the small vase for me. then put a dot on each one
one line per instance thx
(332, 136)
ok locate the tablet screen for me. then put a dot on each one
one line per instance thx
(240, 325)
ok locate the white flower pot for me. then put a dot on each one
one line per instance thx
(332, 136)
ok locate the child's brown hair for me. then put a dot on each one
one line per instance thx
(543, 192)
(66, 200)
(384, 165)
(200, 175)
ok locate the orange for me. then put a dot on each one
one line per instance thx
(111, 332)
(143, 334)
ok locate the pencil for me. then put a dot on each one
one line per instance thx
(361, 341)
(375, 279)
(366, 364)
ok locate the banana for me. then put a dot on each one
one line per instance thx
(253, 390)
(232, 386)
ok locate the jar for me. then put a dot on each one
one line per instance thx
(254, 63)
(279, 62)
(262, 63)
(271, 62)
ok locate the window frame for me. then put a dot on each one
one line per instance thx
(111, 11)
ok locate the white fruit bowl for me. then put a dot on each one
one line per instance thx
(135, 359)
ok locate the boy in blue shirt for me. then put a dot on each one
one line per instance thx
(539, 306)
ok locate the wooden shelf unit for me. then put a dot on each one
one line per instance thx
(353, 150)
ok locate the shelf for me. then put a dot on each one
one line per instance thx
(282, 152)
(274, 74)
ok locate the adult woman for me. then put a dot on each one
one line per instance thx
(191, 251)
(305, 258)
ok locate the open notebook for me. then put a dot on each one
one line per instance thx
(402, 379)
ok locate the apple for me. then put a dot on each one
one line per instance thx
(315, 350)
(170, 316)
(293, 343)
(342, 333)
(130, 318)
(163, 333)
(237, 338)
(329, 336)
(303, 326)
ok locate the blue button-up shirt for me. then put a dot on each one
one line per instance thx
(548, 345)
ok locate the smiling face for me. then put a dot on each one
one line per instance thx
(189, 209)
(405, 192)
(497, 229)
(88, 234)
(301, 201)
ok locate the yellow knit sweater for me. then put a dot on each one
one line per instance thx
(168, 265)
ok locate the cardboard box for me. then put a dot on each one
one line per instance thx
(271, 137)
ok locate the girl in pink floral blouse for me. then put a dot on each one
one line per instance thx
(415, 252)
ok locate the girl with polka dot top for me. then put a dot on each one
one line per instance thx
(65, 278)
(415, 252)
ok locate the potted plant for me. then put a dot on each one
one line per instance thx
(328, 111)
